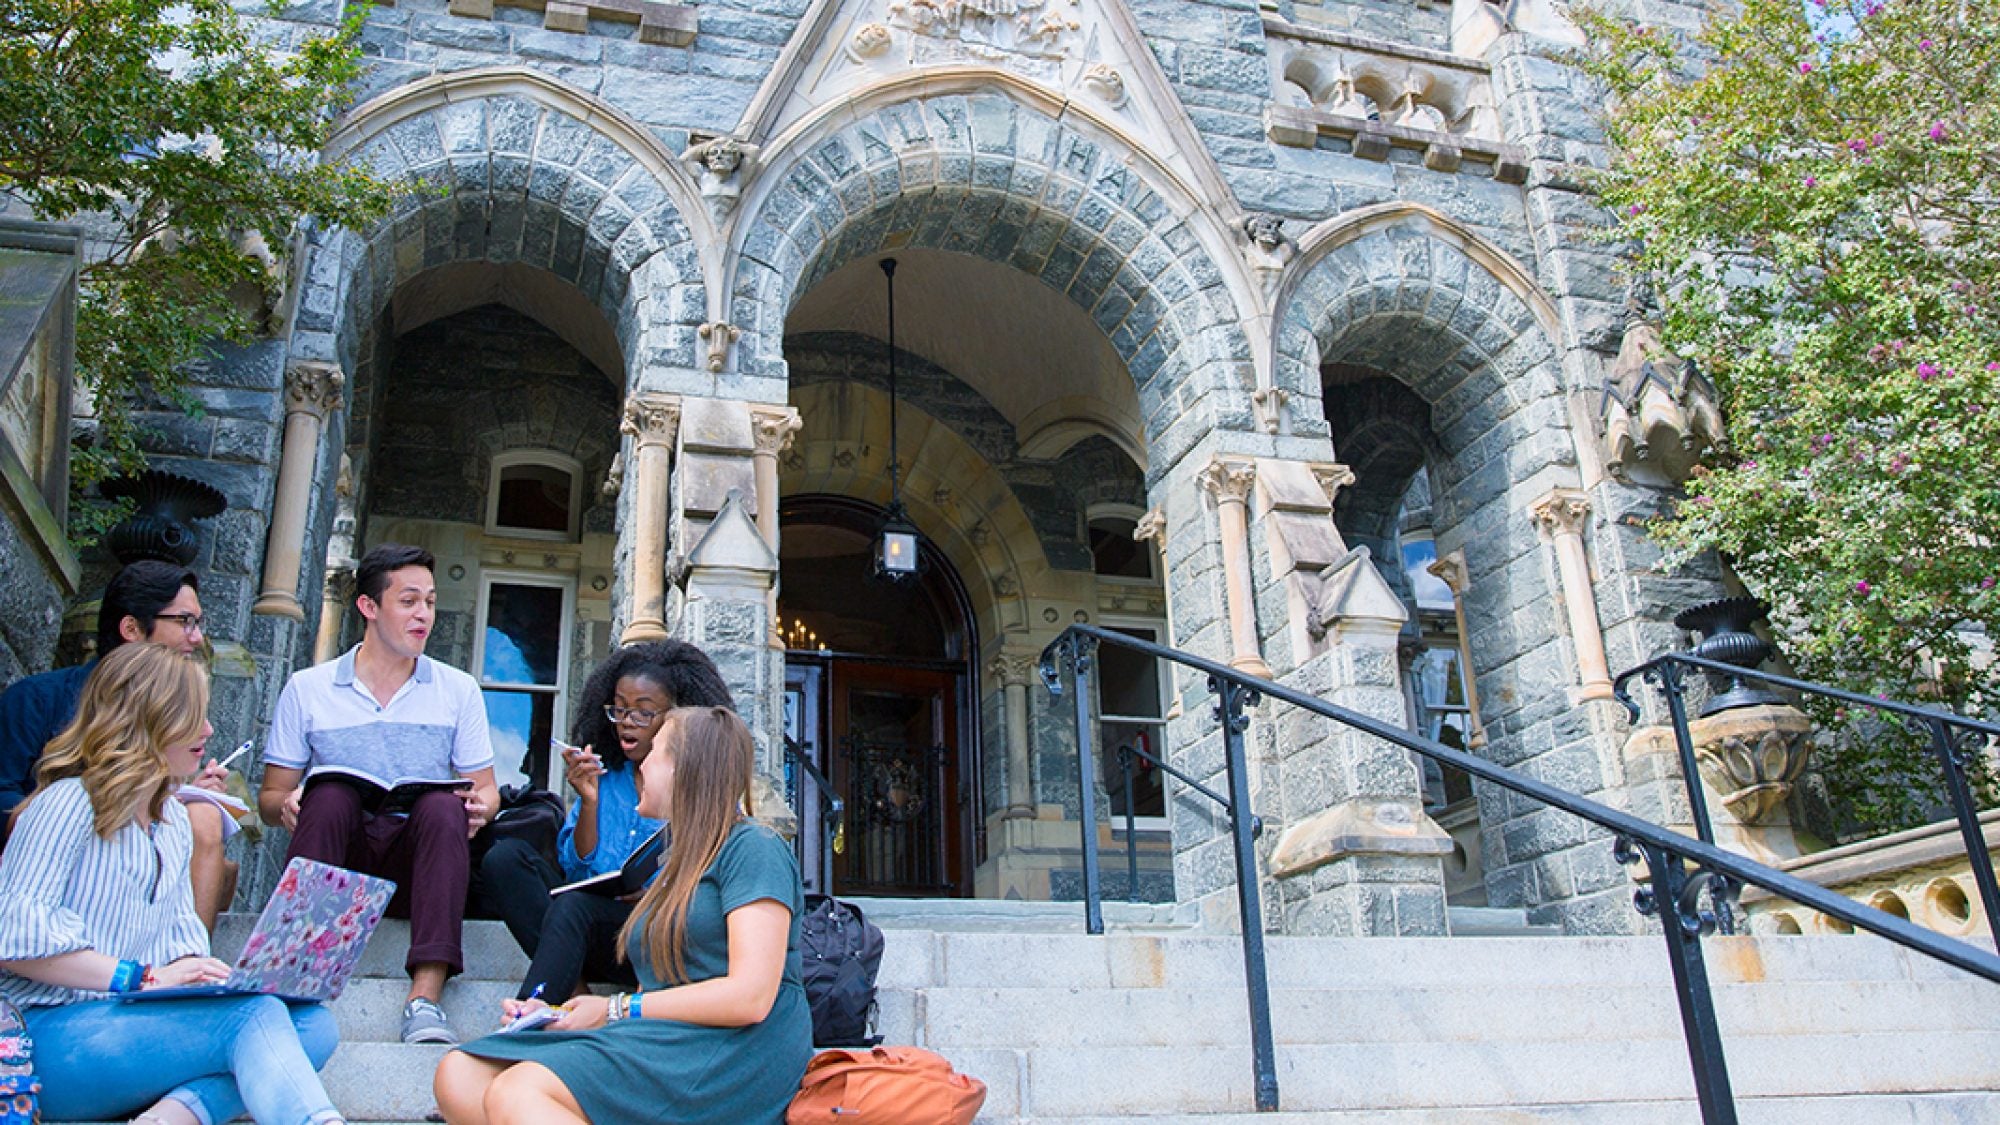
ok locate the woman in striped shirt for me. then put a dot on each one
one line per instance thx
(95, 901)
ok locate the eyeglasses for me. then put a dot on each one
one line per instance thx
(635, 717)
(188, 621)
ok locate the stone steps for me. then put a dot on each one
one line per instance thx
(1148, 1023)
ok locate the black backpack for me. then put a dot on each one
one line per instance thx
(841, 952)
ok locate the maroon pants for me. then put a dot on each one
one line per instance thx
(423, 853)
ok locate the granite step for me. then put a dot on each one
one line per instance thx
(1149, 1025)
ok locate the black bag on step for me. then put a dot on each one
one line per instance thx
(841, 952)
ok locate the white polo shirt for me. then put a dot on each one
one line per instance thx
(434, 726)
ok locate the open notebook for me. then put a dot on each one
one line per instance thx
(308, 939)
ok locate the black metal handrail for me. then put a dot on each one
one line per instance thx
(1125, 756)
(832, 818)
(1680, 871)
(1953, 750)
(1234, 693)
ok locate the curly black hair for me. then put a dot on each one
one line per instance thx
(686, 673)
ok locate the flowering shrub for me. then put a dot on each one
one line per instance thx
(1813, 188)
(177, 129)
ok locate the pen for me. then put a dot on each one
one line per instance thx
(235, 754)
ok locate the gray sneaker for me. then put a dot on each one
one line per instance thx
(424, 1022)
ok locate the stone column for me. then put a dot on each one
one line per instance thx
(1229, 480)
(337, 589)
(1152, 528)
(1451, 570)
(1560, 516)
(772, 428)
(651, 421)
(1015, 670)
(312, 391)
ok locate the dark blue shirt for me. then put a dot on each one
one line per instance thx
(33, 711)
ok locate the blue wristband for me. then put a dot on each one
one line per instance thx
(128, 976)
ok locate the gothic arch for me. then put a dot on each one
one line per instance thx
(990, 165)
(1403, 290)
(961, 502)
(521, 173)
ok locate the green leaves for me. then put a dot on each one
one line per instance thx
(189, 143)
(1815, 201)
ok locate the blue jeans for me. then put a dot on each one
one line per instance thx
(219, 1056)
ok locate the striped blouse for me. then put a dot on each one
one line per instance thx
(64, 888)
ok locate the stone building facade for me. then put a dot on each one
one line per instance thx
(1215, 320)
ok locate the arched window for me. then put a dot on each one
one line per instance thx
(1113, 551)
(534, 494)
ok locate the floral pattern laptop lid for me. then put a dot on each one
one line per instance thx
(312, 932)
(307, 941)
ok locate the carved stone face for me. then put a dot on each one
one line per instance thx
(723, 159)
(1267, 231)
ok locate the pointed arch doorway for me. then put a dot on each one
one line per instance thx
(878, 690)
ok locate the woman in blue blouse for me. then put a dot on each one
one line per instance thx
(95, 901)
(573, 937)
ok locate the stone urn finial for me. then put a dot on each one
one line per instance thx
(161, 525)
(1727, 638)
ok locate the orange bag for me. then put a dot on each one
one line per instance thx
(885, 1086)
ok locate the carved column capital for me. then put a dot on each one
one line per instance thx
(1451, 570)
(1013, 669)
(773, 427)
(1332, 477)
(652, 419)
(313, 388)
(1152, 527)
(1561, 512)
(1229, 478)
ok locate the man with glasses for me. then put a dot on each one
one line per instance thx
(152, 601)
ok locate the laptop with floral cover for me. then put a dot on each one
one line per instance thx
(308, 940)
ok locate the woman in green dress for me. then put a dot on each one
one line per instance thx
(719, 1033)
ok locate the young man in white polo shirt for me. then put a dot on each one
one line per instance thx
(386, 710)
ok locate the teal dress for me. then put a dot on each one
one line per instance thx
(672, 1073)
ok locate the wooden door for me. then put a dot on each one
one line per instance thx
(893, 746)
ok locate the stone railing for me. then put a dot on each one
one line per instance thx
(1922, 875)
(1378, 97)
(668, 25)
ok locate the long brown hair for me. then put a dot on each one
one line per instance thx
(139, 701)
(712, 755)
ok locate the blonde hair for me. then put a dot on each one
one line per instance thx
(713, 756)
(139, 701)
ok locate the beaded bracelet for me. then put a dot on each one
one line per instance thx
(128, 976)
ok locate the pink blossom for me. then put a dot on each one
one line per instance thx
(1994, 366)
(1926, 370)
(1636, 208)
(1898, 463)
(1862, 587)
(1812, 181)
(1857, 145)
(1805, 68)
(1937, 131)
(1923, 44)
(1986, 583)
(1749, 464)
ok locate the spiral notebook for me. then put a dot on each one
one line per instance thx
(307, 941)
